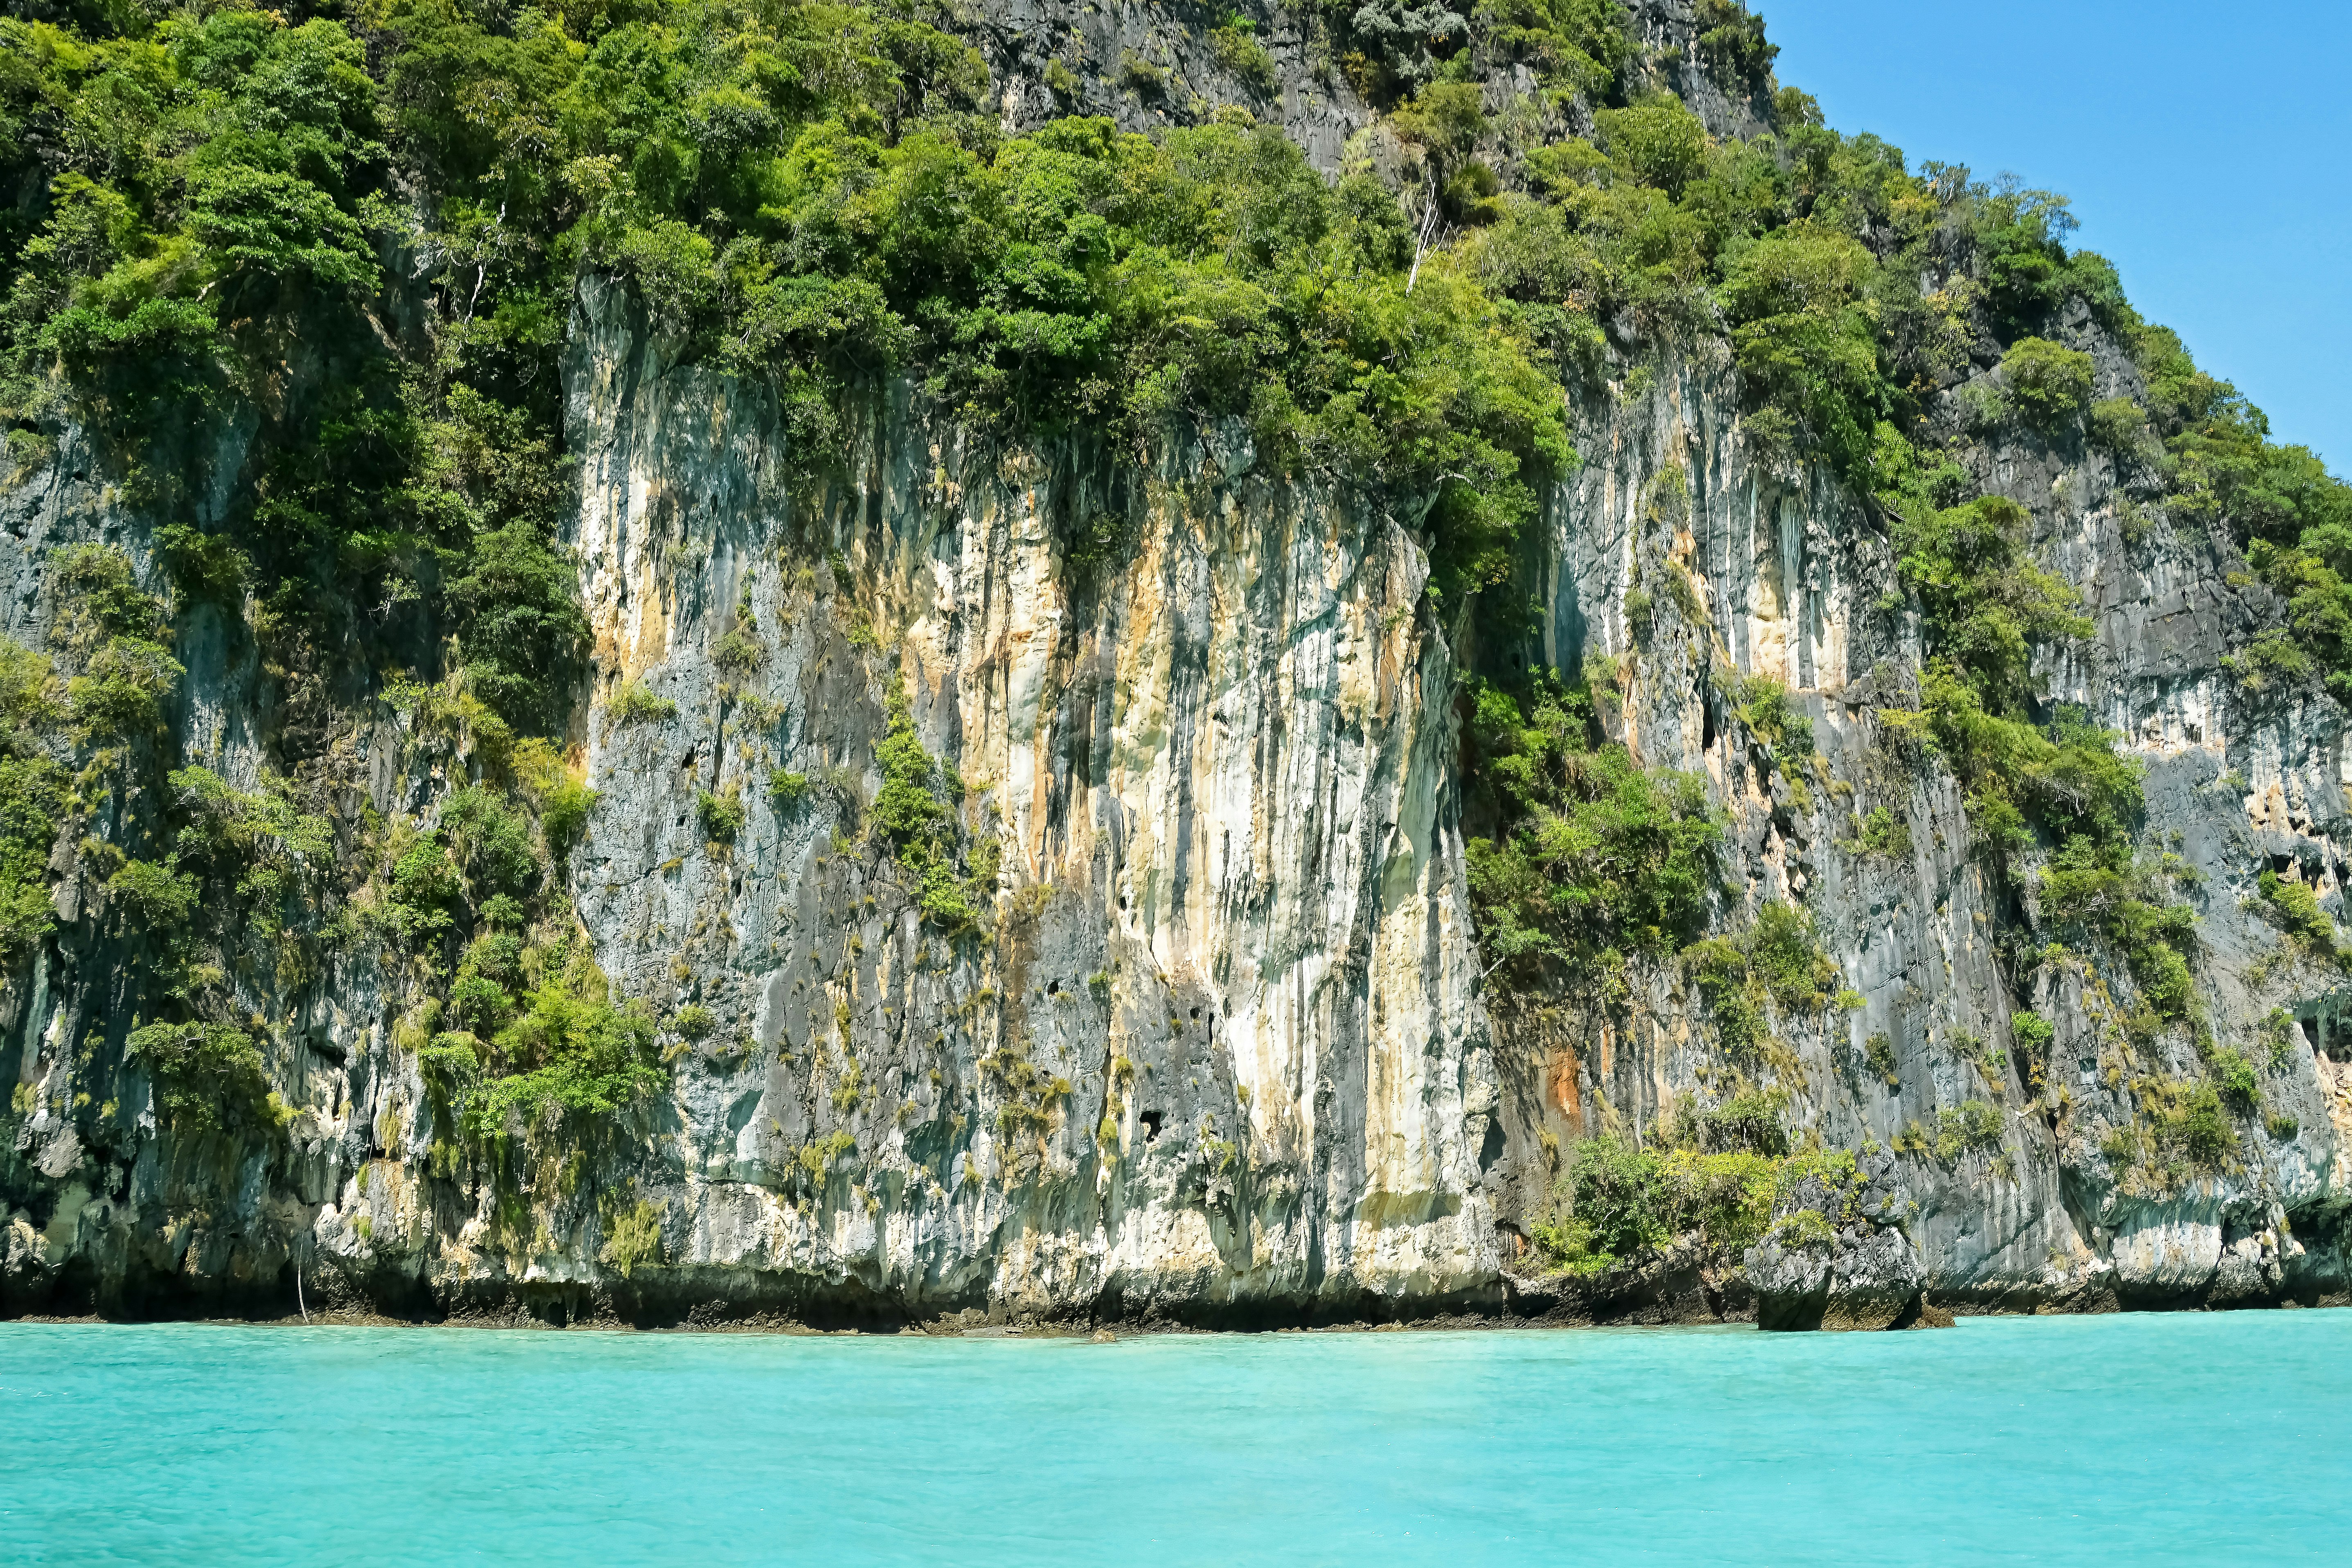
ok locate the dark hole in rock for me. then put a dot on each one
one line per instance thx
(1151, 1120)
(1122, 901)
(687, 760)
(1053, 988)
(1196, 1013)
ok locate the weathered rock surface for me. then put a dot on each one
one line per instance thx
(1231, 915)
(1838, 1257)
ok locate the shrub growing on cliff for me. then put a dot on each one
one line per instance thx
(569, 1049)
(2235, 1079)
(1592, 861)
(1582, 45)
(1775, 965)
(1806, 340)
(632, 1234)
(33, 793)
(1732, 39)
(2058, 787)
(207, 1077)
(1616, 1201)
(913, 808)
(2295, 909)
(119, 631)
(2048, 382)
(564, 803)
(1974, 1125)
(525, 632)
(1238, 51)
(1984, 603)
(1749, 1123)
(2280, 503)
(1618, 1205)
(719, 815)
(152, 897)
(535, 1030)
(2093, 886)
(1762, 704)
(634, 704)
(424, 893)
(1880, 834)
(2182, 1130)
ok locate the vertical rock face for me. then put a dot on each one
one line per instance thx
(1213, 1053)
(1046, 865)
(1219, 1051)
(1788, 576)
(1215, 766)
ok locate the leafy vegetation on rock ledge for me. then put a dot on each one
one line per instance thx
(1593, 861)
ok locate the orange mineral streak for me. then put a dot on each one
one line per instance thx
(1559, 1084)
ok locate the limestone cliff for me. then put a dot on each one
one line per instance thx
(1790, 578)
(1221, 1046)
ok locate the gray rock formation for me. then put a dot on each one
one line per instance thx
(1839, 1255)
(1789, 572)
(1222, 1054)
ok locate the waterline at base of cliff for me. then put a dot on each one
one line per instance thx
(2191, 1438)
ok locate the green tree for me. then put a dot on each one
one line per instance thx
(2048, 382)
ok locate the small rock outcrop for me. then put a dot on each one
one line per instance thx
(1838, 1256)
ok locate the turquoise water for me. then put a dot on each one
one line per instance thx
(2201, 1439)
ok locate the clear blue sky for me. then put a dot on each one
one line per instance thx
(2208, 149)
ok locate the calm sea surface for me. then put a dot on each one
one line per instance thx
(2203, 1439)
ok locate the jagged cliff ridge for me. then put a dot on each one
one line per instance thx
(580, 755)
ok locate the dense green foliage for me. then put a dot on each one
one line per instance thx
(2057, 787)
(1594, 860)
(916, 811)
(538, 1031)
(1389, 47)
(32, 798)
(1616, 1201)
(2295, 909)
(2048, 382)
(1851, 286)
(1762, 705)
(2293, 517)
(1858, 297)
(225, 885)
(1775, 966)
(518, 1021)
(207, 1077)
(2184, 1129)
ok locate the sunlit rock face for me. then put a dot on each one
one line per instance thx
(1188, 1019)
(1230, 936)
